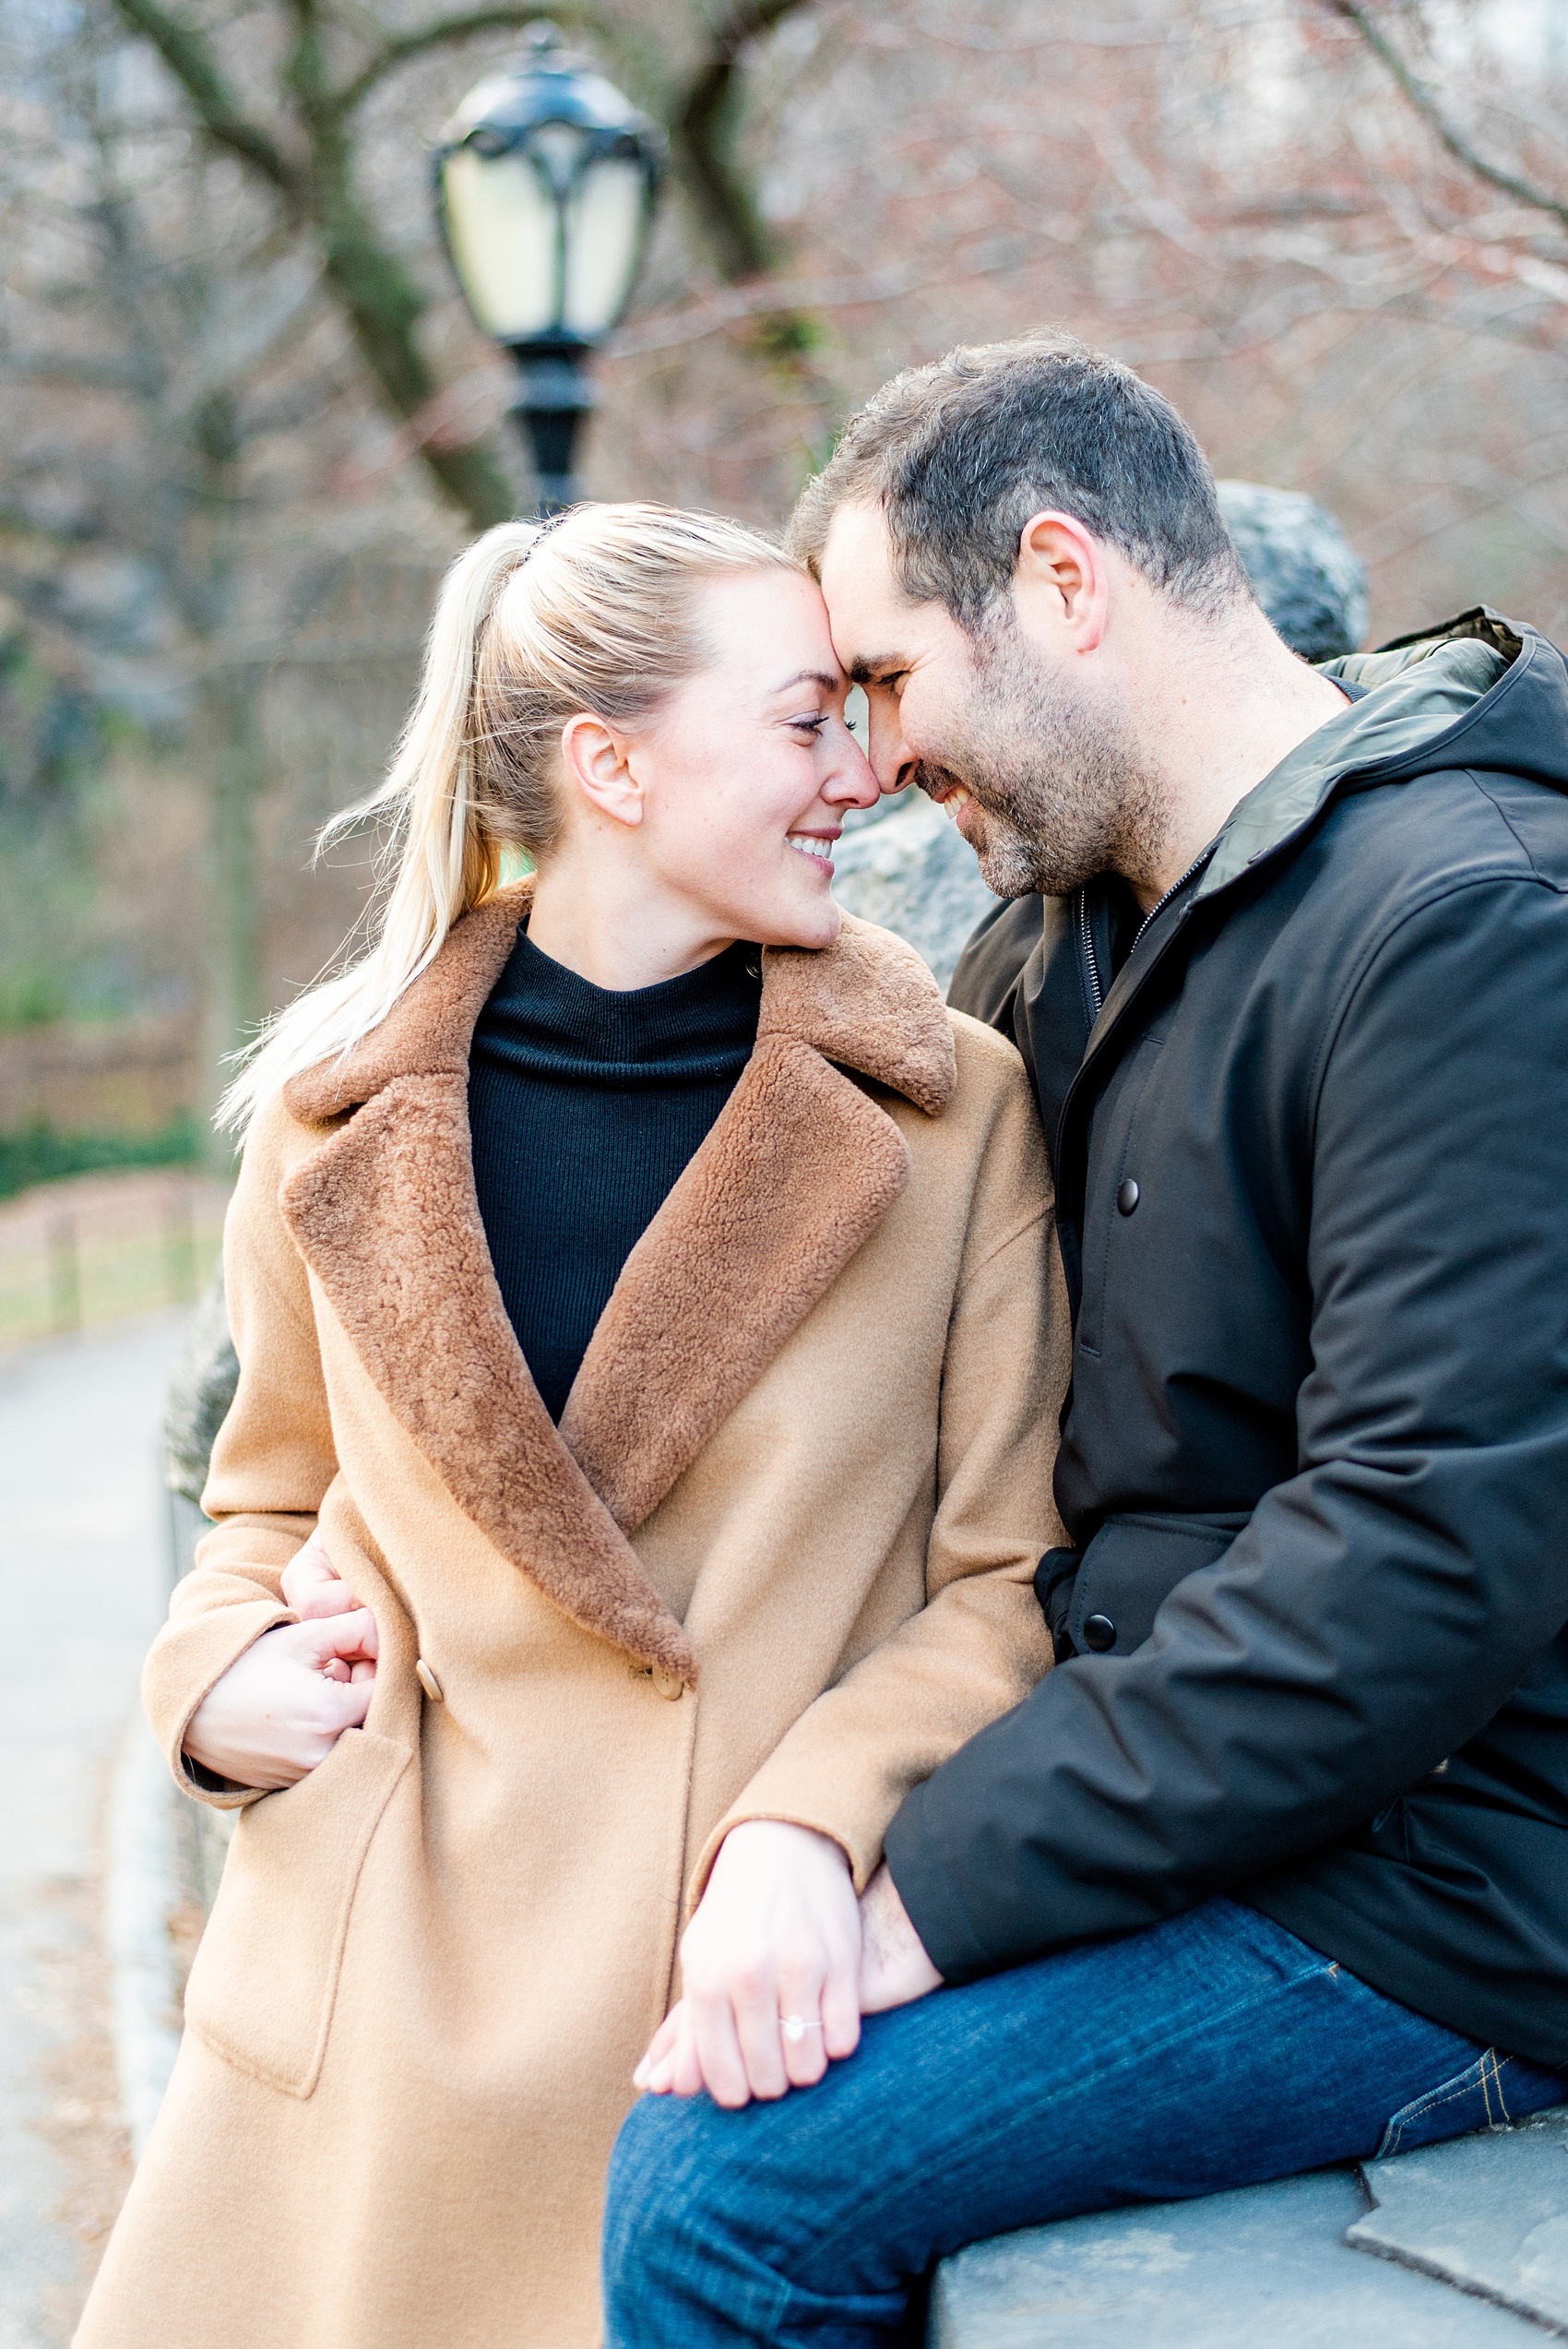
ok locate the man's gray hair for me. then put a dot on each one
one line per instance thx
(957, 455)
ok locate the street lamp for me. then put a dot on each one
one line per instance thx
(546, 179)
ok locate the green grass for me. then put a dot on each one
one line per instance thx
(39, 1154)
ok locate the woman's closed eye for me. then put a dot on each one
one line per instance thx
(810, 728)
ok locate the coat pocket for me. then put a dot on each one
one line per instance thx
(262, 1988)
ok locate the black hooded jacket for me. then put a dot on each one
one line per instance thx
(1311, 1143)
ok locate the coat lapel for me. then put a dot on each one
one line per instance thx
(385, 1215)
(797, 1171)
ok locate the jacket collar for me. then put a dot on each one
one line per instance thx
(796, 1174)
(1427, 696)
(1424, 697)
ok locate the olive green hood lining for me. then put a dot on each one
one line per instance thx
(1418, 691)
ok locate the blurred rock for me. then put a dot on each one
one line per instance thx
(1303, 570)
(911, 871)
(199, 1393)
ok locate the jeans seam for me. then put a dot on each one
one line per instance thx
(1446, 2093)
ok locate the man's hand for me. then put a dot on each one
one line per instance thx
(281, 1707)
(769, 1966)
(894, 1965)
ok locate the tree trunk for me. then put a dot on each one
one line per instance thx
(236, 989)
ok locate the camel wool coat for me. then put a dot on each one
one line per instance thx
(774, 1563)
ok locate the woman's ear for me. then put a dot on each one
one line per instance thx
(598, 764)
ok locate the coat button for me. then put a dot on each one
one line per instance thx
(668, 1683)
(1100, 1633)
(1127, 1196)
(428, 1681)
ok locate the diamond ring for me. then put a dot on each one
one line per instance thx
(795, 2027)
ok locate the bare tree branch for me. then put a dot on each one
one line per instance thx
(377, 296)
(1427, 104)
(702, 127)
(191, 62)
(446, 32)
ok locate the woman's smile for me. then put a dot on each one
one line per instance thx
(819, 846)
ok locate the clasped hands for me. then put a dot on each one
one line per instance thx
(780, 1960)
(281, 1706)
(778, 1966)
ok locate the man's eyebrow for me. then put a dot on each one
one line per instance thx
(822, 677)
(866, 670)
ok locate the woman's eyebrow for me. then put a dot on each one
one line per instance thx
(822, 677)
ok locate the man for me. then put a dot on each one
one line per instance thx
(1272, 1869)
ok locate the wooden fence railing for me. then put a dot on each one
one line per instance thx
(76, 1254)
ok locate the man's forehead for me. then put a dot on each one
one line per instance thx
(868, 612)
(857, 548)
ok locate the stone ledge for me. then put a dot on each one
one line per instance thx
(1487, 2212)
(1272, 2263)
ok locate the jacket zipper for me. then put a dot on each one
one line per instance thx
(1176, 887)
(1086, 937)
(1086, 930)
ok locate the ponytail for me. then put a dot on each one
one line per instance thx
(601, 622)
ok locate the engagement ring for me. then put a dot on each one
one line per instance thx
(795, 2027)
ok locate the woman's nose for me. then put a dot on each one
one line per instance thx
(853, 782)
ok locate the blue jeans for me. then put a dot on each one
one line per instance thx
(1212, 2051)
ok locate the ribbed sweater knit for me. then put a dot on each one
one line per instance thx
(586, 1106)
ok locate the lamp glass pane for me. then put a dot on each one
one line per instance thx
(560, 145)
(604, 228)
(502, 227)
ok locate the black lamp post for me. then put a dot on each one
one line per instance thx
(546, 179)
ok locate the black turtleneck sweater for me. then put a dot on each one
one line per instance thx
(586, 1106)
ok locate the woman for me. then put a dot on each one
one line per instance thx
(642, 1286)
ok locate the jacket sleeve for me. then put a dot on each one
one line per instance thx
(979, 1643)
(1386, 1600)
(271, 1465)
(987, 977)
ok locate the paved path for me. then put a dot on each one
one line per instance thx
(82, 1585)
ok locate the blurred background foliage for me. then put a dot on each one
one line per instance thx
(244, 420)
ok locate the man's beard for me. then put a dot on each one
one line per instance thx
(1062, 789)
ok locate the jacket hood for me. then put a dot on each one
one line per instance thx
(1480, 691)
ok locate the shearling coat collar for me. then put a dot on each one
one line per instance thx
(797, 1171)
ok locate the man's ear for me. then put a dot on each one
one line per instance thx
(598, 764)
(1063, 586)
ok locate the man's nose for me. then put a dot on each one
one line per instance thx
(893, 762)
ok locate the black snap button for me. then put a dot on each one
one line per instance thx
(1100, 1633)
(1128, 1196)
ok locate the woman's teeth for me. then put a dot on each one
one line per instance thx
(820, 852)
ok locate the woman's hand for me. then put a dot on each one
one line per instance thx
(281, 1707)
(770, 1967)
(311, 1584)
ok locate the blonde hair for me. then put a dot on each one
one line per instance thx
(533, 623)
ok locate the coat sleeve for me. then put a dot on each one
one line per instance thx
(979, 1643)
(272, 1464)
(1386, 1600)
